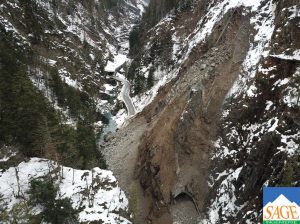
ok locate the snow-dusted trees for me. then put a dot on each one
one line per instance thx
(43, 192)
(157, 10)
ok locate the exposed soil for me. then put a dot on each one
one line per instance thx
(121, 151)
(183, 211)
(174, 154)
(164, 151)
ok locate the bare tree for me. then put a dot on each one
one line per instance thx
(18, 182)
(73, 174)
(87, 189)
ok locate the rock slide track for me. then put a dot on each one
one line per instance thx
(163, 153)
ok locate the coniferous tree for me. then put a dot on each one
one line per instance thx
(134, 40)
(138, 84)
(56, 211)
(167, 49)
(133, 70)
(58, 88)
(150, 79)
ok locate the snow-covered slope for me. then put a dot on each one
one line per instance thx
(94, 192)
(64, 47)
(260, 136)
(75, 39)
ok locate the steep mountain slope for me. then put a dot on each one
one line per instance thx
(74, 39)
(63, 48)
(216, 85)
(259, 140)
(55, 100)
(222, 110)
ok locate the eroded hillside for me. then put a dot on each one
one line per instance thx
(225, 121)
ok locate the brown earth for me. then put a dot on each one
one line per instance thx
(174, 153)
(162, 157)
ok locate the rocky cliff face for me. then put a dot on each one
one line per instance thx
(190, 118)
(259, 137)
(226, 124)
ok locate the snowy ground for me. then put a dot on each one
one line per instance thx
(109, 200)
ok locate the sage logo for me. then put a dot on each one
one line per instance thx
(281, 205)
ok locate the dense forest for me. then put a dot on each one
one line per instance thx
(29, 122)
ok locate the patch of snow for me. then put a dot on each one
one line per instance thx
(266, 70)
(51, 62)
(294, 56)
(269, 104)
(66, 77)
(264, 25)
(291, 95)
(92, 56)
(251, 91)
(163, 78)
(225, 197)
(290, 146)
(5, 156)
(294, 12)
(282, 82)
(141, 5)
(118, 60)
(120, 118)
(40, 84)
(8, 27)
(272, 124)
(292, 98)
(109, 200)
(108, 88)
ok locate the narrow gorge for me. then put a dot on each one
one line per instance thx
(137, 111)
